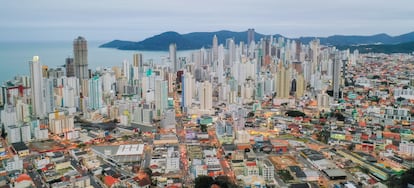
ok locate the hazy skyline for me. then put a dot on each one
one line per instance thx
(136, 20)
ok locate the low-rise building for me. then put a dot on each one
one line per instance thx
(13, 164)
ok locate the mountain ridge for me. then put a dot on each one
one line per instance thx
(197, 40)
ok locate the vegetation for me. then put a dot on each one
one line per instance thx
(207, 181)
(383, 48)
(323, 136)
(295, 113)
(198, 40)
(3, 132)
(285, 175)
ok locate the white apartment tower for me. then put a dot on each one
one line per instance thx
(336, 78)
(173, 56)
(80, 52)
(215, 48)
(187, 90)
(283, 82)
(161, 96)
(38, 99)
(206, 96)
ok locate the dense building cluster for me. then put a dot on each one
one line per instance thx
(269, 113)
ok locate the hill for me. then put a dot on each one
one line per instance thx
(382, 48)
(197, 40)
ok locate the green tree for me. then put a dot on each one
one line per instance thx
(148, 171)
(407, 177)
(323, 136)
(395, 181)
(224, 182)
(295, 113)
(203, 128)
(3, 131)
(203, 181)
(81, 145)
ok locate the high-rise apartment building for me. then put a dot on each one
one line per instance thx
(13, 134)
(206, 96)
(173, 56)
(314, 45)
(70, 67)
(300, 86)
(250, 36)
(232, 52)
(283, 82)
(80, 52)
(187, 90)
(95, 93)
(38, 99)
(161, 96)
(137, 66)
(215, 48)
(336, 78)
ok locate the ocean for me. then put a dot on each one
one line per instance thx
(15, 56)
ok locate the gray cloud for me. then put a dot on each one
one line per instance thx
(136, 20)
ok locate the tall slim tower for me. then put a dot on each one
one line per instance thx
(70, 67)
(187, 90)
(38, 100)
(137, 66)
(205, 96)
(232, 52)
(336, 77)
(137, 60)
(215, 48)
(314, 45)
(250, 36)
(80, 52)
(173, 56)
(282, 82)
(161, 96)
(95, 93)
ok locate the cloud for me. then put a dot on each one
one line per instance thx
(131, 19)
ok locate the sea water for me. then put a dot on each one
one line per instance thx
(15, 56)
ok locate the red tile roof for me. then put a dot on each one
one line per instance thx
(23, 177)
(109, 181)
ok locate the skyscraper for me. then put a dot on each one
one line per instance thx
(250, 36)
(215, 48)
(95, 93)
(336, 77)
(314, 45)
(282, 82)
(80, 52)
(137, 60)
(187, 90)
(173, 56)
(232, 52)
(70, 67)
(205, 96)
(161, 96)
(38, 100)
(137, 67)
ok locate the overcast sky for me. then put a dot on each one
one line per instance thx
(140, 19)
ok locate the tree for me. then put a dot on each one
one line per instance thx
(3, 131)
(323, 136)
(203, 128)
(81, 145)
(399, 99)
(148, 171)
(351, 147)
(395, 181)
(407, 177)
(203, 181)
(224, 182)
(295, 113)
